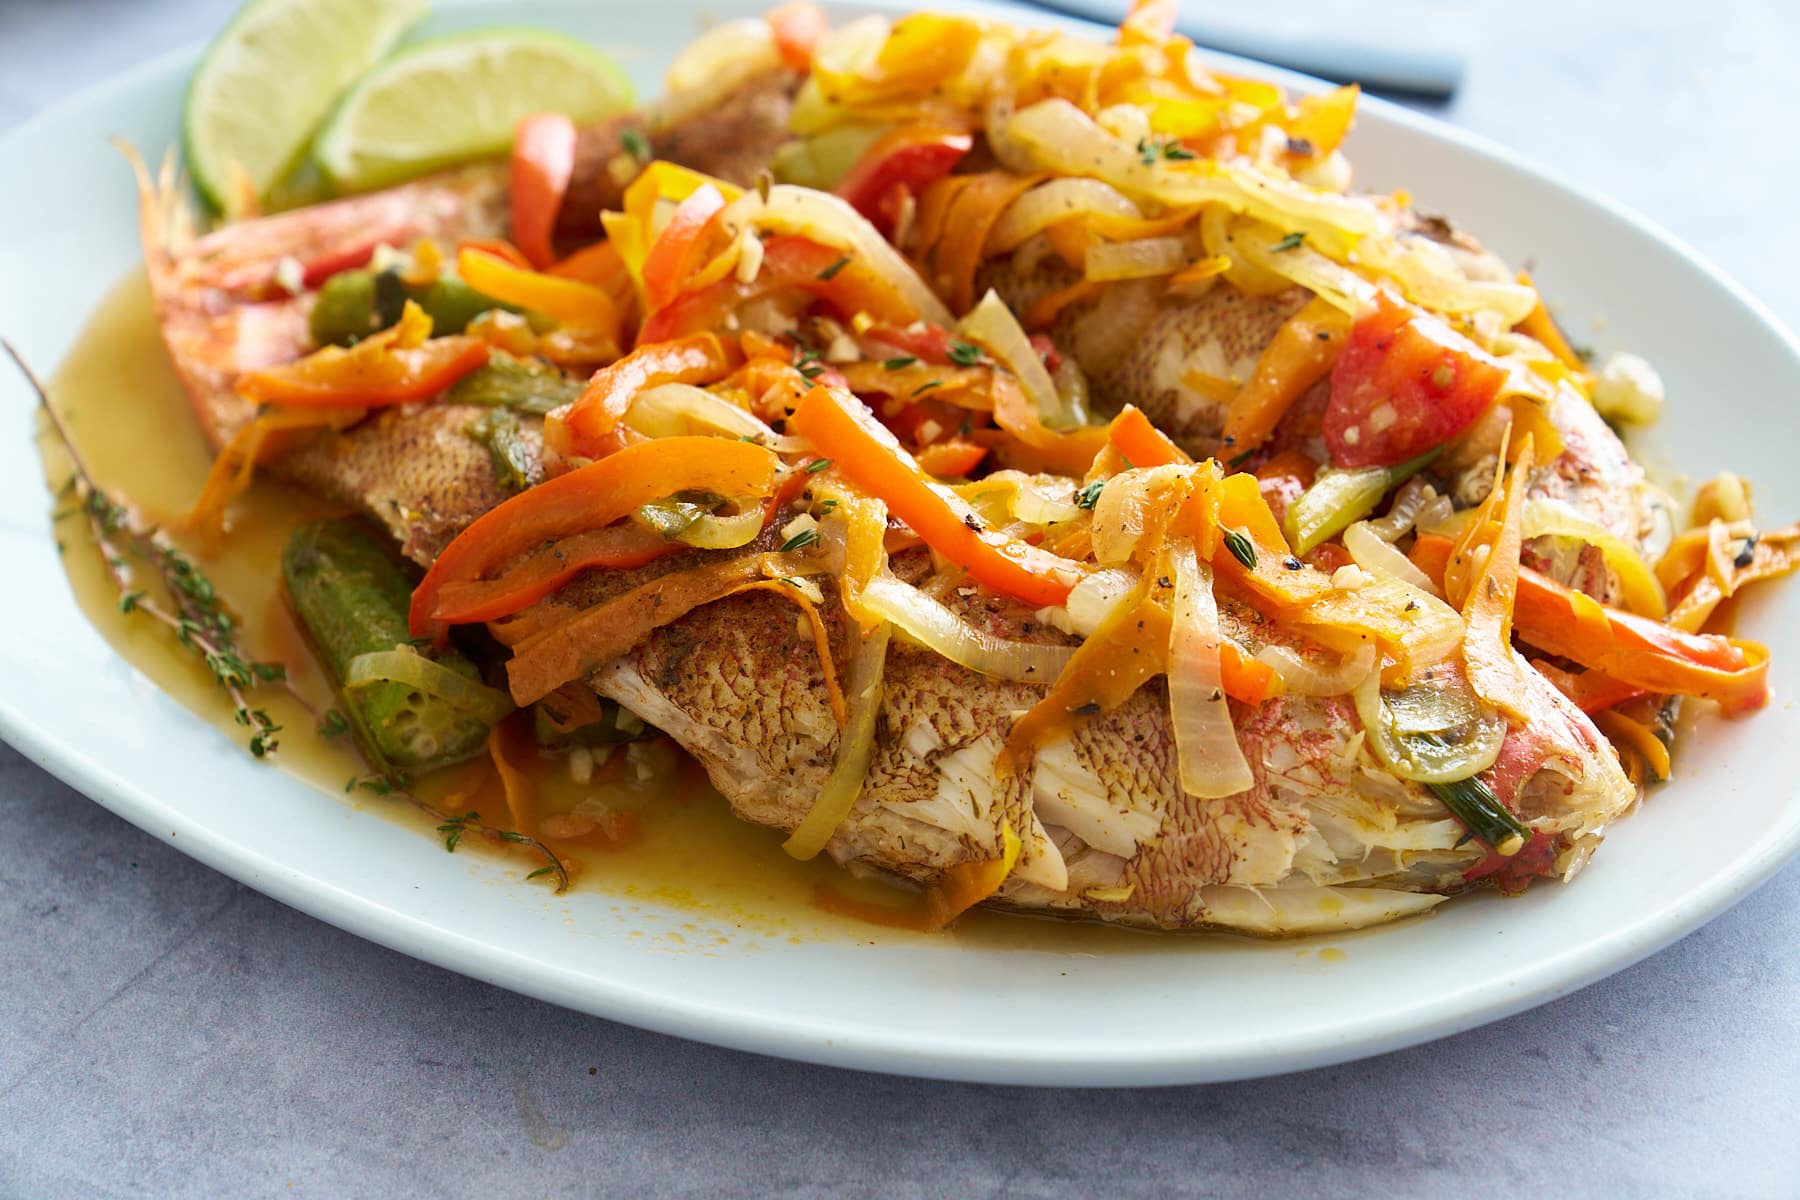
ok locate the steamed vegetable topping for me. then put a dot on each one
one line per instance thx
(1014, 463)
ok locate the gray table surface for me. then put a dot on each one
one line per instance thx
(166, 1031)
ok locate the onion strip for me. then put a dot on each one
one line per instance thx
(929, 623)
(414, 670)
(855, 750)
(1211, 762)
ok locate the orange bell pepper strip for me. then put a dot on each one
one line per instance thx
(1638, 651)
(789, 263)
(590, 497)
(1625, 654)
(1061, 451)
(671, 257)
(1495, 672)
(971, 216)
(901, 162)
(1141, 443)
(397, 366)
(543, 162)
(1539, 324)
(1278, 576)
(798, 29)
(570, 302)
(1302, 353)
(1244, 677)
(590, 425)
(617, 547)
(864, 452)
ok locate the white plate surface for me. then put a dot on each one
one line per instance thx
(1181, 1012)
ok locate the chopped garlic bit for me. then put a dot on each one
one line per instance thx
(290, 276)
(1349, 577)
(581, 764)
(750, 256)
(803, 523)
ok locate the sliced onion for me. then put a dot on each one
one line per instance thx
(1126, 504)
(1434, 732)
(414, 670)
(710, 532)
(1375, 555)
(1022, 497)
(1430, 277)
(1643, 593)
(830, 221)
(1052, 203)
(1332, 282)
(992, 326)
(1409, 502)
(1057, 135)
(1305, 678)
(1141, 258)
(923, 620)
(1211, 762)
(855, 749)
(676, 409)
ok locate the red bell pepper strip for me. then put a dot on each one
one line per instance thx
(590, 425)
(591, 497)
(671, 257)
(788, 263)
(798, 30)
(901, 162)
(397, 366)
(543, 162)
(617, 547)
(842, 429)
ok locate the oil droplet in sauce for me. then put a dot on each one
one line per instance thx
(131, 421)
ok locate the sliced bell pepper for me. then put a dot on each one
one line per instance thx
(1061, 451)
(1632, 652)
(863, 451)
(1150, 22)
(617, 547)
(789, 263)
(798, 29)
(951, 263)
(951, 458)
(397, 366)
(1301, 353)
(588, 498)
(671, 257)
(569, 301)
(1495, 671)
(901, 162)
(1141, 443)
(543, 162)
(590, 425)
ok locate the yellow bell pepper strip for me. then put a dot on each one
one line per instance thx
(1301, 353)
(1540, 325)
(863, 451)
(790, 263)
(594, 637)
(570, 302)
(590, 497)
(616, 547)
(1149, 23)
(543, 161)
(672, 255)
(397, 366)
(922, 51)
(900, 164)
(1487, 591)
(591, 426)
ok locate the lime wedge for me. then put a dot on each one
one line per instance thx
(458, 97)
(268, 80)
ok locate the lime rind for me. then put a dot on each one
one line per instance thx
(457, 97)
(267, 80)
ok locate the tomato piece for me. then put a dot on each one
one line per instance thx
(543, 162)
(1404, 383)
(904, 161)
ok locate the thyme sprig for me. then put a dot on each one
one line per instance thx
(194, 613)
